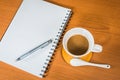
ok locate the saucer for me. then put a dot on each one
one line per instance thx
(67, 57)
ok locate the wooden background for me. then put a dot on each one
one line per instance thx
(100, 17)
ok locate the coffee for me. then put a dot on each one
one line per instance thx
(77, 45)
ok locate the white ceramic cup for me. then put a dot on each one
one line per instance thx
(81, 31)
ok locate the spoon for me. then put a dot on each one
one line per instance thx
(79, 62)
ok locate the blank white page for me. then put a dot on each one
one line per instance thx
(35, 22)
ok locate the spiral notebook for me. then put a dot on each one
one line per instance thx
(35, 22)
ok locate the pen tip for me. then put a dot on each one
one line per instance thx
(17, 59)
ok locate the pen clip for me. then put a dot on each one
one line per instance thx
(46, 43)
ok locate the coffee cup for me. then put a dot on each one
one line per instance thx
(79, 43)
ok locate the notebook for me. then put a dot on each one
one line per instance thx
(35, 22)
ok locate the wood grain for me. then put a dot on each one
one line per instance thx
(101, 18)
(7, 11)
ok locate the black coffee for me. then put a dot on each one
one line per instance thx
(77, 45)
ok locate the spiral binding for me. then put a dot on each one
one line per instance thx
(61, 29)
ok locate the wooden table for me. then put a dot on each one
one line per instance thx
(100, 17)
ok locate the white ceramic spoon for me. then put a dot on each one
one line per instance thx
(79, 62)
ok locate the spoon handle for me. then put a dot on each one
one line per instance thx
(107, 66)
(79, 62)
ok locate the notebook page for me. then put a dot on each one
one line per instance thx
(35, 22)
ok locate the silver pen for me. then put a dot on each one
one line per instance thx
(34, 49)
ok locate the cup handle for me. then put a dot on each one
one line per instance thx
(97, 48)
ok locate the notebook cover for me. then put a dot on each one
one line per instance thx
(35, 22)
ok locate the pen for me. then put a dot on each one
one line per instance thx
(34, 49)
